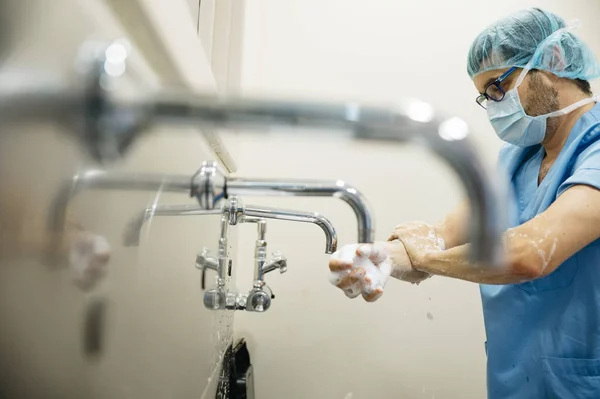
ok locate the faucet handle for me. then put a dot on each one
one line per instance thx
(206, 261)
(259, 299)
(281, 261)
(215, 299)
(277, 262)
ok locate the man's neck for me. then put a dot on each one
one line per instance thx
(566, 123)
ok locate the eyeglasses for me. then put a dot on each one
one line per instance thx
(493, 91)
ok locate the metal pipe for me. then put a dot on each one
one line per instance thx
(222, 256)
(131, 237)
(252, 214)
(103, 180)
(112, 124)
(297, 216)
(260, 253)
(338, 189)
(408, 123)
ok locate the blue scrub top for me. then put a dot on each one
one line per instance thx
(543, 336)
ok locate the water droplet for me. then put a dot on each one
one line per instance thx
(429, 316)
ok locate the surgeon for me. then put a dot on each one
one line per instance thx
(542, 311)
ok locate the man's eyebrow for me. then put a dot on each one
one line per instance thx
(490, 80)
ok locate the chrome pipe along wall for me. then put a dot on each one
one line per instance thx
(331, 240)
(448, 139)
(251, 213)
(208, 186)
(103, 180)
(112, 124)
(131, 237)
(253, 187)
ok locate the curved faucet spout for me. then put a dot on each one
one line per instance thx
(331, 239)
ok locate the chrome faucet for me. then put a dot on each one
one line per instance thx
(210, 184)
(260, 296)
(113, 123)
(232, 213)
(211, 188)
(205, 261)
(218, 297)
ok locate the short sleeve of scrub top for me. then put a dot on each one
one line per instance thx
(586, 170)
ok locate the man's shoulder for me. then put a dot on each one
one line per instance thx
(587, 153)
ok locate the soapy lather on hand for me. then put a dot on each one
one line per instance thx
(365, 268)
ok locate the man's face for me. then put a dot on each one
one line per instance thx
(537, 93)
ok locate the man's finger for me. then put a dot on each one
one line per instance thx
(364, 250)
(375, 252)
(373, 296)
(352, 278)
(345, 282)
(378, 254)
(352, 292)
(337, 265)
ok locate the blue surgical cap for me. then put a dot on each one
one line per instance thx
(533, 38)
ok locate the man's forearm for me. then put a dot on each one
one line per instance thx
(453, 228)
(455, 263)
(533, 249)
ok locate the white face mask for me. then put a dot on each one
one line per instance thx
(513, 125)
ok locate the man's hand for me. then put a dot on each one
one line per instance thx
(364, 268)
(360, 269)
(419, 239)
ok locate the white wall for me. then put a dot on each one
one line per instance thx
(314, 342)
(158, 340)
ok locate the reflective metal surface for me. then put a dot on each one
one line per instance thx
(205, 261)
(141, 331)
(114, 123)
(277, 262)
(338, 189)
(58, 341)
(208, 185)
(260, 296)
(103, 180)
(232, 213)
(251, 213)
(131, 237)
